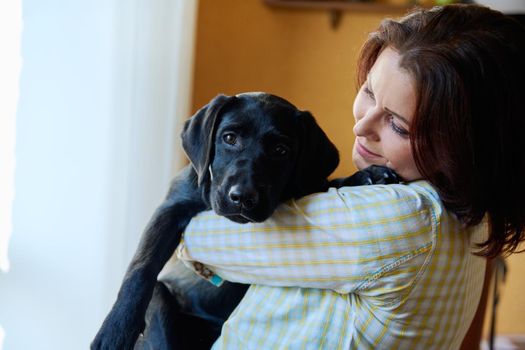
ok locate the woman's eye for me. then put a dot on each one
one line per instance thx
(369, 92)
(230, 138)
(397, 129)
(281, 150)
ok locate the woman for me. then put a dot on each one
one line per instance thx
(398, 266)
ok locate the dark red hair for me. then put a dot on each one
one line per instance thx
(467, 135)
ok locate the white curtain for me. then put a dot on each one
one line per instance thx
(104, 87)
(10, 64)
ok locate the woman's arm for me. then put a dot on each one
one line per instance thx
(341, 240)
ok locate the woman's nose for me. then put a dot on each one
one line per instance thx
(367, 125)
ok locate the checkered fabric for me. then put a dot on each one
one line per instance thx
(369, 267)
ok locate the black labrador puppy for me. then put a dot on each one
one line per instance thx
(248, 153)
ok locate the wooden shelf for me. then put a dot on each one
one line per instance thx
(338, 5)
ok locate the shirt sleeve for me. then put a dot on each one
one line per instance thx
(342, 239)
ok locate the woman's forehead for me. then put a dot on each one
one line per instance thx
(393, 86)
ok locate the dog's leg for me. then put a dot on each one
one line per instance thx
(125, 321)
(160, 331)
(199, 304)
(169, 328)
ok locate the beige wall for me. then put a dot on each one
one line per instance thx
(242, 45)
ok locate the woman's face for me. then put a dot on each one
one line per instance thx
(383, 111)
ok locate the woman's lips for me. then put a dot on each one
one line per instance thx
(365, 152)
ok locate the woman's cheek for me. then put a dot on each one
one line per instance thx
(402, 162)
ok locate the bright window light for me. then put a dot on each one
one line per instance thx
(10, 64)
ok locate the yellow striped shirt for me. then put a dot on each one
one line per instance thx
(370, 267)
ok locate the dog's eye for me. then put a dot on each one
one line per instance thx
(281, 150)
(230, 138)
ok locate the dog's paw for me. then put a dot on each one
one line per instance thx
(380, 175)
(373, 175)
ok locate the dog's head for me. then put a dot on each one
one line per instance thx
(254, 150)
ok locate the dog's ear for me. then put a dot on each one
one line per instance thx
(318, 157)
(198, 135)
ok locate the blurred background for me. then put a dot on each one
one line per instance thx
(94, 93)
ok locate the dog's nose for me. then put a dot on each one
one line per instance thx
(246, 198)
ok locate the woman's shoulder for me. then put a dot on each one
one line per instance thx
(404, 218)
(414, 202)
(414, 189)
(382, 200)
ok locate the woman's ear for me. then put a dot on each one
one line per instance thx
(198, 135)
(317, 159)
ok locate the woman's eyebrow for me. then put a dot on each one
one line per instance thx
(369, 86)
(405, 120)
